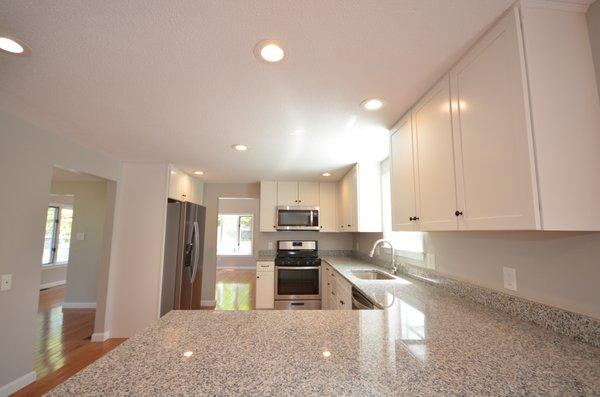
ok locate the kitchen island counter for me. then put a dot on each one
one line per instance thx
(428, 342)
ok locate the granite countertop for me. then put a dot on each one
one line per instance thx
(428, 342)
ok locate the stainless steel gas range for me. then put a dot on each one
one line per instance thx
(297, 275)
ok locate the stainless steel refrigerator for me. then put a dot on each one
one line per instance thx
(184, 251)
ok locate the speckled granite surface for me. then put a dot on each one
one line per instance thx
(577, 326)
(429, 342)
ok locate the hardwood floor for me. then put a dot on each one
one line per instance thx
(63, 346)
(235, 289)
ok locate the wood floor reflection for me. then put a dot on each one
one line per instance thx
(62, 344)
(235, 289)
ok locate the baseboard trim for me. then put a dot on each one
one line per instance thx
(208, 303)
(79, 305)
(100, 336)
(53, 284)
(17, 384)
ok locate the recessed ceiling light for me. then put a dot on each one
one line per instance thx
(199, 172)
(298, 132)
(372, 104)
(239, 147)
(326, 174)
(13, 46)
(269, 50)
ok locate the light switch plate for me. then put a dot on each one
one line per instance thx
(80, 236)
(510, 278)
(6, 282)
(430, 260)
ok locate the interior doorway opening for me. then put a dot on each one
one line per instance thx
(74, 269)
(237, 234)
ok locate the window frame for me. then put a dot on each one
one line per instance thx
(239, 234)
(54, 251)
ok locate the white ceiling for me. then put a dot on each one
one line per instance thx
(176, 81)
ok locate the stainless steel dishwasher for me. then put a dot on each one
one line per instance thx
(360, 301)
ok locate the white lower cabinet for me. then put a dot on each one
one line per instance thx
(265, 285)
(336, 290)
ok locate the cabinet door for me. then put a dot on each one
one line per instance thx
(186, 187)
(268, 204)
(265, 290)
(287, 193)
(436, 184)
(402, 176)
(196, 191)
(352, 200)
(495, 163)
(342, 204)
(175, 184)
(308, 194)
(327, 206)
(324, 286)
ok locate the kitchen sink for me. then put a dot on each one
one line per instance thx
(371, 275)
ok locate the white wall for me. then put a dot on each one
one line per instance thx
(27, 155)
(137, 254)
(560, 269)
(593, 20)
(89, 211)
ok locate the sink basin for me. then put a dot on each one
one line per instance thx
(371, 275)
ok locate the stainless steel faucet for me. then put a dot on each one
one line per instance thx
(383, 241)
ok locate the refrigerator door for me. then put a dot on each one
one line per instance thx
(193, 251)
(170, 280)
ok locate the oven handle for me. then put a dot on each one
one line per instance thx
(298, 267)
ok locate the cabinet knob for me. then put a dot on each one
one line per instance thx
(257, 276)
(416, 218)
(342, 302)
(411, 218)
(349, 225)
(458, 213)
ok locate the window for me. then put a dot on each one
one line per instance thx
(234, 234)
(57, 237)
(402, 241)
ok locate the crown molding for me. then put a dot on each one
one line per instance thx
(561, 5)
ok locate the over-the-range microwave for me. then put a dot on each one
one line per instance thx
(297, 218)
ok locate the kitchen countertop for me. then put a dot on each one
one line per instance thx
(428, 342)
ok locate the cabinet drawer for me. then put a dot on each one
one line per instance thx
(265, 266)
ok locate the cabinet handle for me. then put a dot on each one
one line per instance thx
(349, 225)
(416, 218)
(274, 227)
(458, 213)
(342, 302)
(257, 276)
(411, 219)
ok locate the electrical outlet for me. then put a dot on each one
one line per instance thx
(80, 236)
(510, 278)
(430, 261)
(5, 282)
(270, 245)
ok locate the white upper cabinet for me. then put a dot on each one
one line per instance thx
(517, 146)
(328, 206)
(359, 199)
(287, 193)
(184, 187)
(436, 185)
(298, 194)
(402, 176)
(493, 141)
(268, 203)
(308, 194)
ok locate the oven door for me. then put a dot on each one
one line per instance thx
(297, 218)
(297, 282)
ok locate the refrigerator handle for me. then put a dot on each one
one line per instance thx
(196, 249)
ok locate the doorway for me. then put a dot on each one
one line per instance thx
(74, 267)
(235, 287)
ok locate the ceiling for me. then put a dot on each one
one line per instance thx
(176, 81)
